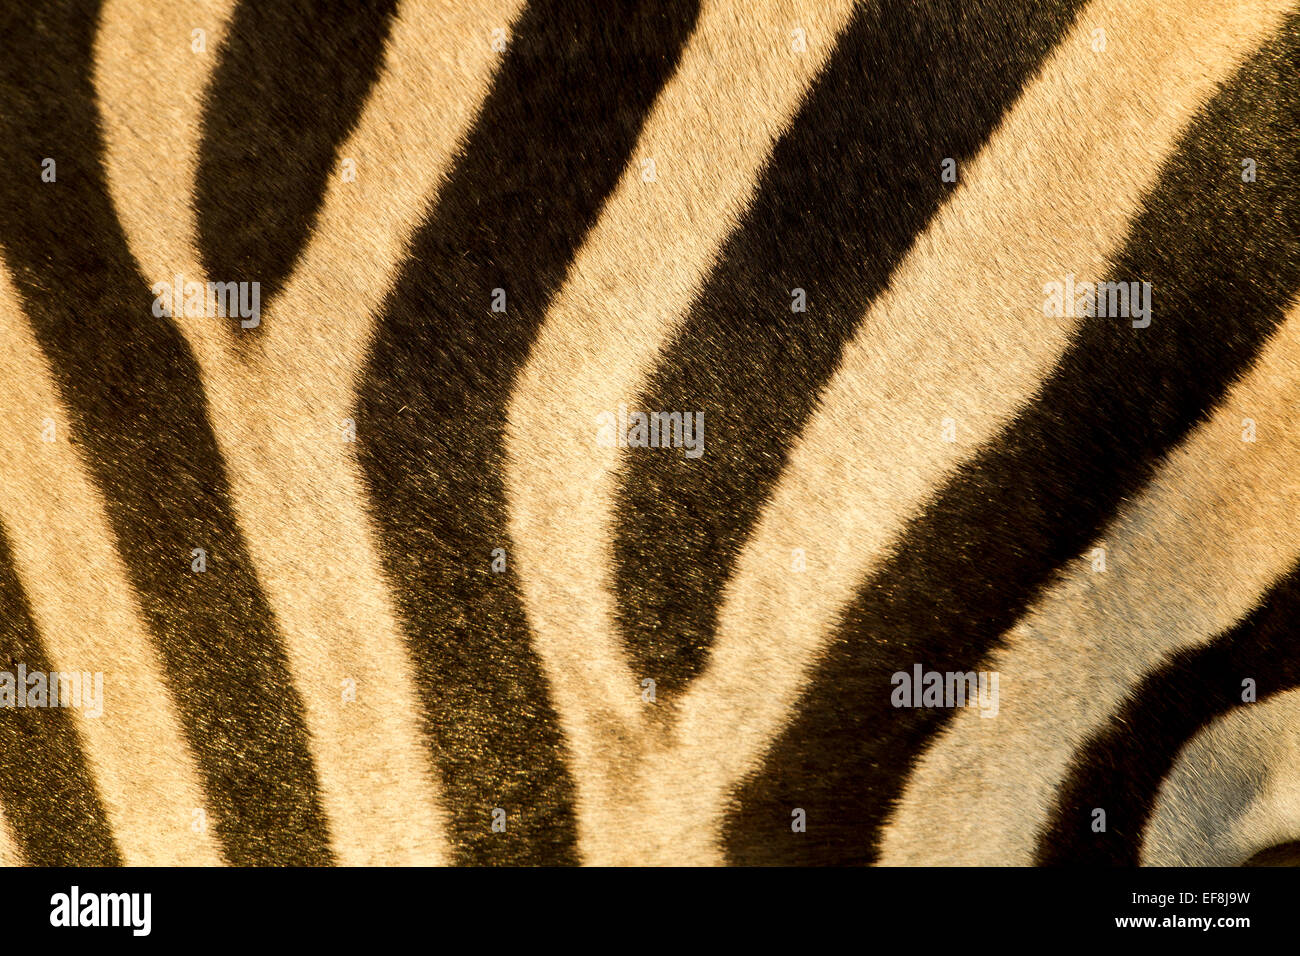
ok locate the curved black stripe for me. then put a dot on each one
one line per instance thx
(138, 408)
(1284, 854)
(1122, 767)
(1224, 260)
(846, 191)
(287, 91)
(552, 140)
(49, 797)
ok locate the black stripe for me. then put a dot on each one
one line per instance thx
(49, 797)
(1284, 854)
(1121, 768)
(1222, 257)
(844, 194)
(138, 408)
(287, 91)
(553, 137)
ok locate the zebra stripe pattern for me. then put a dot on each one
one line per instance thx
(367, 586)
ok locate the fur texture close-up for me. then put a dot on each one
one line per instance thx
(693, 432)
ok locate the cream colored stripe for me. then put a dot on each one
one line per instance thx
(1184, 562)
(9, 852)
(280, 418)
(82, 605)
(149, 81)
(713, 126)
(1233, 791)
(959, 334)
(1025, 213)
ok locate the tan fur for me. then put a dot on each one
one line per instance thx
(9, 852)
(63, 548)
(873, 453)
(959, 333)
(1232, 791)
(1196, 539)
(624, 297)
(279, 416)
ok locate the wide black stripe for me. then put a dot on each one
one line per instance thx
(846, 191)
(1121, 768)
(49, 797)
(552, 140)
(1224, 260)
(288, 89)
(133, 391)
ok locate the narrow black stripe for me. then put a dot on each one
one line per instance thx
(846, 191)
(1222, 256)
(288, 89)
(1121, 768)
(49, 797)
(133, 391)
(553, 138)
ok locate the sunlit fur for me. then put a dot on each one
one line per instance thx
(360, 455)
